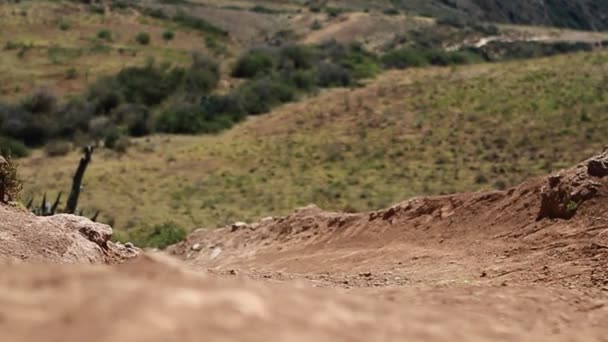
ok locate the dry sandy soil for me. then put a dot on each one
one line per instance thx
(526, 264)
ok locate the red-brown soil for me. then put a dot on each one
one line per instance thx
(526, 264)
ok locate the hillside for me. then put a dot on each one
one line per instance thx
(65, 46)
(406, 133)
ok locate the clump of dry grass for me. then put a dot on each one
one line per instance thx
(10, 185)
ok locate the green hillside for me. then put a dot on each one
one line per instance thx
(407, 133)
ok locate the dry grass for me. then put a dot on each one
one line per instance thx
(51, 52)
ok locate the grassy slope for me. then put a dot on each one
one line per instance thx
(54, 51)
(426, 131)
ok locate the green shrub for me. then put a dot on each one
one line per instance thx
(314, 9)
(391, 11)
(104, 34)
(148, 85)
(168, 35)
(230, 105)
(136, 120)
(199, 24)
(143, 38)
(185, 120)
(254, 63)
(333, 75)
(203, 76)
(71, 73)
(297, 56)
(305, 80)
(316, 25)
(404, 58)
(41, 101)
(57, 148)
(111, 139)
(262, 9)
(13, 148)
(158, 236)
(64, 25)
(333, 12)
(261, 95)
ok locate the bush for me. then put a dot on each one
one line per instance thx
(148, 85)
(11, 147)
(261, 95)
(71, 73)
(186, 120)
(158, 236)
(333, 12)
(105, 94)
(168, 35)
(136, 119)
(10, 185)
(303, 79)
(143, 38)
(231, 105)
(316, 25)
(262, 9)
(111, 138)
(203, 76)
(64, 25)
(333, 75)
(254, 63)
(57, 148)
(41, 101)
(297, 56)
(73, 117)
(391, 11)
(199, 24)
(404, 58)
(104, 34)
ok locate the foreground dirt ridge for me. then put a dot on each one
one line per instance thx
(526, 264)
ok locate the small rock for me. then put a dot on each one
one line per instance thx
(197, 247)
(238, 225)
(232, 272)
(366, 274)
(484, 274)
(129, 245)
(267, 219)
(216, 252)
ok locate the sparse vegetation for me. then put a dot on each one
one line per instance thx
(104, 34)
(143, 38)
(157, 236)
(10, 185)
(168, 35)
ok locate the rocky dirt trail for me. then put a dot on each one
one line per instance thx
(526, 264)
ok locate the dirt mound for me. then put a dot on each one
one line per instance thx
(550, 230)
(152, 300)
(58, 239)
